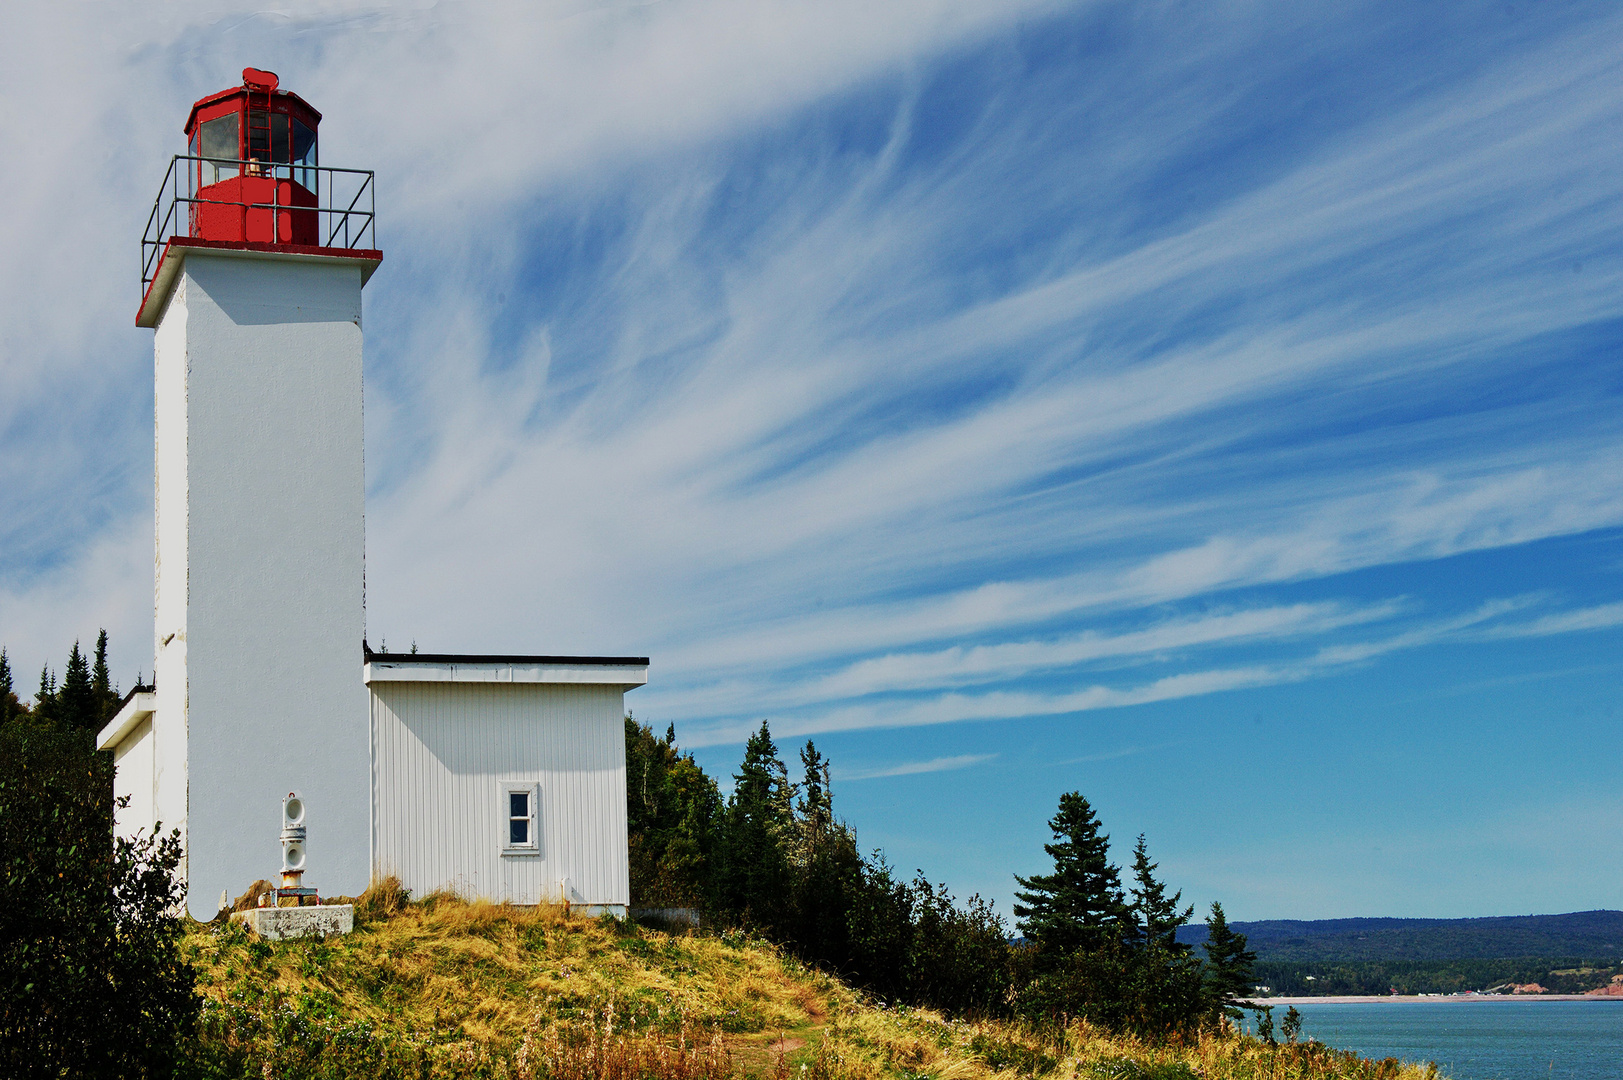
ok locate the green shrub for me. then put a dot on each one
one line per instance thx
(92, 981)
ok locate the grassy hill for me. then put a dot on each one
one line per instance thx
(447, 988)
(1593, 934)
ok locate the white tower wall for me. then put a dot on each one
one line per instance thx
(260, 548)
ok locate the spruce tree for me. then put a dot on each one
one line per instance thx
(689, 861)
(816, 801)
(1155, 917)
(8, 693)
(650, 801)
(649, 811)
(101, 684)
(827, 866)
(45, 699)
(1161, 992)
(1228, 967)
(1079, 906)
(755, 878)
(75, 701)
(672, 820)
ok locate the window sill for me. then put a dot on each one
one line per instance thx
(520, 853)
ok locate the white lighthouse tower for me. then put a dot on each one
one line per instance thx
(254, 274)
(498, 775)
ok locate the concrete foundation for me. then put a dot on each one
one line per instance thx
(277, 923)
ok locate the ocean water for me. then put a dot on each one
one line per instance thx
(1480, 1040)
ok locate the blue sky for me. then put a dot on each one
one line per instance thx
(1213, 408)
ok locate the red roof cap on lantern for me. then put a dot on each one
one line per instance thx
(259, 80)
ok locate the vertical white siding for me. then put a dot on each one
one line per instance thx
(442, 753)
(132, 779)
(261, 542)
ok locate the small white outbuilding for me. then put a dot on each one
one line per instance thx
(493, 776)
(502, 776)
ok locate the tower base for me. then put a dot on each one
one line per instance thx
(278, 923)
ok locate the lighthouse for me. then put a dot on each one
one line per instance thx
(253, 285)
(273, 736)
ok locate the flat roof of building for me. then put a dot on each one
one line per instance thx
(624, 671)
(500, 658)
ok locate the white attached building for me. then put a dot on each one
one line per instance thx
(502, 776)
(495, 776)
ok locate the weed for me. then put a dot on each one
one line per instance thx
(1000, 1053)
(598, 1049)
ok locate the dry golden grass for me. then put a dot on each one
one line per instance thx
(449, 988)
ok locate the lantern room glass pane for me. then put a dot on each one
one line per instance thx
(304, 155)
(279, 141)
(218, 140)
(304, 144)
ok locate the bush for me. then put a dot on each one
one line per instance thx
(92, 981)
(1120, 988)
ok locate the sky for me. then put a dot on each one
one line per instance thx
(1209, 407)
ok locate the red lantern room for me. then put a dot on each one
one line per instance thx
(251, 181)
(253, 151)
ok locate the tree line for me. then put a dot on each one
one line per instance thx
(1320, 978)
(84, 700)
(775, 857)
(1577, 933)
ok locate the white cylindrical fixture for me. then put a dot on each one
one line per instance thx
(293, 834)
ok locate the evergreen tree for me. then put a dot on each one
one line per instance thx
(816, 809)
(101, 684)
(75, 701)
(650, 810)
(1228, 967)
(45, 699)
(1078, 907)
(791, 869)
(1162, 993)
(650, 802)
(1155, 917)
(672, 810)
(1292, 1025)
(827, 865)
(9, 707)
(755, 877)
(688, 864)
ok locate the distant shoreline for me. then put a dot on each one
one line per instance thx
(1418, 999)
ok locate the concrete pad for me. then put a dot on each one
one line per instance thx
(277, 923)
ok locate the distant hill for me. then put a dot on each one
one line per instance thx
(1591, 934)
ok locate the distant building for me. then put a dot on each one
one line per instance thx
(496, 776)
